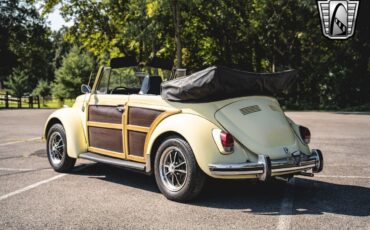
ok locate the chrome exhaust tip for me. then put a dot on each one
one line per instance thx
(286, 179)
(306, 174)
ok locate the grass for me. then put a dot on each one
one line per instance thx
(55, 104)
(49, 104)
(358, 108)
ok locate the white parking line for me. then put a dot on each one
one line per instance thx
(349, 177)
(20, 141)
(286, 207)
(15, 169)
(31, 187)
(3, 197)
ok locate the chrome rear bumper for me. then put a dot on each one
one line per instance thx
(266, 168)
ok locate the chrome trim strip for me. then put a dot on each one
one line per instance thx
(259, 168)
(112, 161)
(293, 168)
(237, 166)
(235, 173)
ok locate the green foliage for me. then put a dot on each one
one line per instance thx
(56, 104)
(117, 28)
(255, 35)
(43, 89)
(61, 47)
(17, 83)
(124, 77)
(75, 70)
(24, 42)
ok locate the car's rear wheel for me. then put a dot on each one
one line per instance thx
(56, 146)
(177, 173)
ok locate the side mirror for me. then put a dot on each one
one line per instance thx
(85, 88)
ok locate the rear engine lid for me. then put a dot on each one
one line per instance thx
(260, 125)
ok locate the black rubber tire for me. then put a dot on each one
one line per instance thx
(195, 179)
(67, 163)
(321, 158)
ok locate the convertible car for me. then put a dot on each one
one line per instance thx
(218, 122)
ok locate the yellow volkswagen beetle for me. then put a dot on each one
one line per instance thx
(218, 122)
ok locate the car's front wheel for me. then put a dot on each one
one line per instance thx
(56, 146)
(177, 173)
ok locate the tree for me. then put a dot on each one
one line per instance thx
(61, 47)
(24, 42)
(177, 21)
(75, 70)
(262, 36)
(17, 83)
(141, 28)
(43, 90)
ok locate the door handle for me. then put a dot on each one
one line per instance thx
(120, 108)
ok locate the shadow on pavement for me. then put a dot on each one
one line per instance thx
(311, 196)
(119, 176)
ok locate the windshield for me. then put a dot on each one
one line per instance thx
(127, 80)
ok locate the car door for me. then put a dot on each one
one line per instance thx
(105, 117)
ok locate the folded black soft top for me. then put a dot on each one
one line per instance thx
(217, 83)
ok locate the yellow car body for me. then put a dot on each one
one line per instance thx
(131, 127)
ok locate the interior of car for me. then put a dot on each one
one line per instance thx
(129, 81)
(126, 76)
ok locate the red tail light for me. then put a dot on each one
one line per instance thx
(305, 134)
(227, 141)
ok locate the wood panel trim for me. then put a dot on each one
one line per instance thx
(104, 125)
(125, 132)
(141, 116)
(142, 129)
(149, 131)
(146, 130)
(105, 152)
(125, 127)
(154, 125)
(104, 114)
(137, 158)
(104, 139)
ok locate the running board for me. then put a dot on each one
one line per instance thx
(112, 161)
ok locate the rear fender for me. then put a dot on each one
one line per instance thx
(302, 146)
(72, 123)
(197, 131)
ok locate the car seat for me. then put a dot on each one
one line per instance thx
(151, 85)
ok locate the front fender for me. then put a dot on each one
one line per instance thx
(197, 131)
(73, 126)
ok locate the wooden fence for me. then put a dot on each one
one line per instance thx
(7, 101)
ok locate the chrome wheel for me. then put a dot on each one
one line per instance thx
(56, 148)
(176, 170)
(173, 168)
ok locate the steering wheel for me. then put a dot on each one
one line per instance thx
(119, 87)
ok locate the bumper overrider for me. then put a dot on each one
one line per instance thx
(265, 168)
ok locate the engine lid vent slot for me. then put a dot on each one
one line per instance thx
(250, 109)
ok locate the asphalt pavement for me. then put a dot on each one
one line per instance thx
(97, 196)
